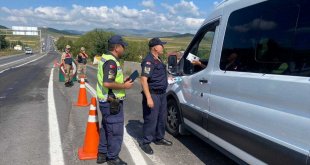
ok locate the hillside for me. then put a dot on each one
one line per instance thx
(56, 32)
(141, 33)
(3, 27)
(181, 36)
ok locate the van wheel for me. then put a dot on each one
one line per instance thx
(173, 118)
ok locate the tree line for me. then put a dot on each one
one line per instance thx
(3, 42)
(96, 43)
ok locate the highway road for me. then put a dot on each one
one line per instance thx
(34, 104)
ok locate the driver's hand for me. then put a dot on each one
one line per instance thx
(196, 62)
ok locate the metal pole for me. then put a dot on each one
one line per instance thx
(40, 42)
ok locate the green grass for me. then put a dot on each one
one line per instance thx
(173, 43)
(8, 52)
(31, 41)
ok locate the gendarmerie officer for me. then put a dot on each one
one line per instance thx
(66, 60)
(111, 93)
(154, 103)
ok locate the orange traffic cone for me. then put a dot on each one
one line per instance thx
(91, 141)
(82, 99)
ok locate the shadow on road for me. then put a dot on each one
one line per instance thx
(206, 153)
(134, 129)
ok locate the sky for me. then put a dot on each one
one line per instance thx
(182, 16)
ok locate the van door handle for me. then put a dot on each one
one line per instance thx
(203, 81)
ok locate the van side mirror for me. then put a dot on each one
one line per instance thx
(172, 64)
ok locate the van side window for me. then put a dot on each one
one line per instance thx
(267, 39)
(201, 47)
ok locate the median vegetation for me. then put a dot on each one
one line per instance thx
(96, 43)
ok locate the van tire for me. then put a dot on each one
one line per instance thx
(173, 118)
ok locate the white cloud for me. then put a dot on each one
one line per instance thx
(87, 18)
(148, 3)
(5, 9)
(16, 19)
(215, 3)
(195, 22)
(124, 11)
(183, 8)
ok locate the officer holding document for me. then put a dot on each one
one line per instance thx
(154, 103)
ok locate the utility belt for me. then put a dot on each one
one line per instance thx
(157, 91)
(114, 104)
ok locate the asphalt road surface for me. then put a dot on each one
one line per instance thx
(29, 100)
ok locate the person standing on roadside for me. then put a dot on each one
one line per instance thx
(111, 94)
(82, 61)
(66, 60)
(154, 82)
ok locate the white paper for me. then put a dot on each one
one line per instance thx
(172, 80)
(192, 57)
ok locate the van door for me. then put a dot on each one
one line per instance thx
(195, 85)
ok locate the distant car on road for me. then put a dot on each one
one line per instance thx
(28, 51)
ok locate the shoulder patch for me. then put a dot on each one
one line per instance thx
(111, 74)
(112, 66)
(147, 70)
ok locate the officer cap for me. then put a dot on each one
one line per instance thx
(116, 39)
(156, 41)
(68, 46)
(82, 48)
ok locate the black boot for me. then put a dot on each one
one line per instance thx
(146, 148)
(71, 83)
(67, 84)
(163, 142)
(116, 161)
(101, 158)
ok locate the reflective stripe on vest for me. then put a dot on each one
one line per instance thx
(102, 92)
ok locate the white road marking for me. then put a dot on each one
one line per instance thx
(4, 70)
(22, 64)
(92, 90)
(14, 61)
(134, 152)
(29, 61)
(55, 147)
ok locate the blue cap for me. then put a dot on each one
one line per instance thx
(156, 41)
(116, 39)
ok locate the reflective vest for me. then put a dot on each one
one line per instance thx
(102, 92)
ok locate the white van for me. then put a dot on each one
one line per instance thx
(251, 96)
